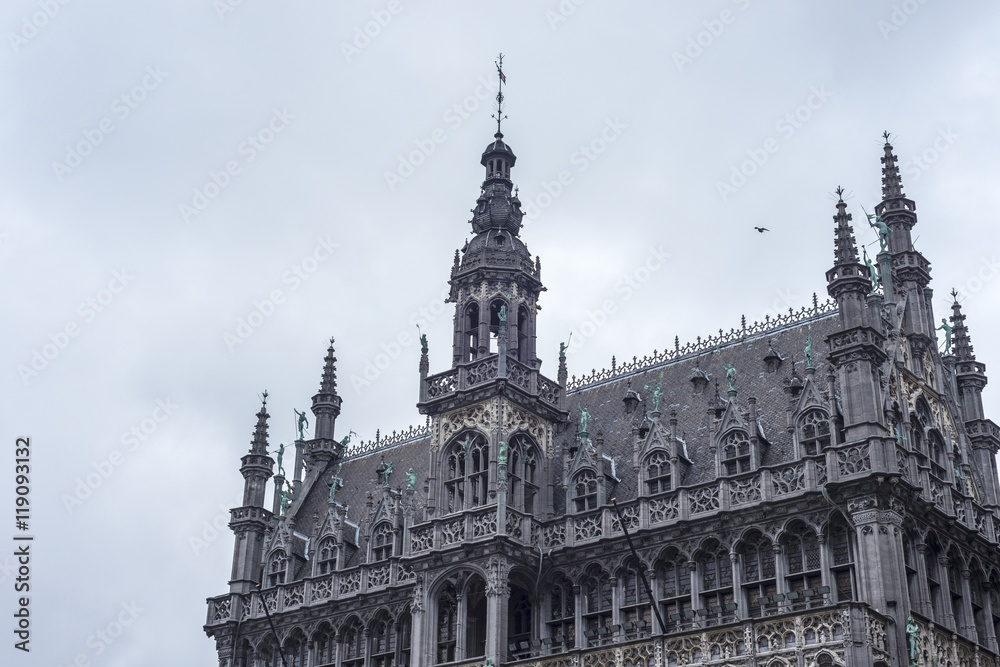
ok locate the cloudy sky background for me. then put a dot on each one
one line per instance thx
(927, 72)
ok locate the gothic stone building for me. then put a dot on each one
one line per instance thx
(797, 513)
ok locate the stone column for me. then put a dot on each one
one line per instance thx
(968, 621)
(418, 639)
(948, 610)
(654, 625)
(497, 597)
(923, 604)
(734, 560)
(579, 640)
(695, 587)
(824, 561)
(779, 569)
(991, 638)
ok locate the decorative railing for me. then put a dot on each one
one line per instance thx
(365, 447)
(941, 646)
(768, 326)
(474, 373)
(848, 633)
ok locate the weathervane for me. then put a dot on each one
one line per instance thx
(499, 115)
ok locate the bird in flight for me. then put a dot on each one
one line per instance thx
(762, 229)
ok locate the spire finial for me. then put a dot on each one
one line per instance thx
(259, 443)
(499, 115)
(845, 248)
(892, 183)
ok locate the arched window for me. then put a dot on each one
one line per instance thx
(470, 337)
(814, 432)
(658, 472)
(716, 571)
(467, 469)
(352, 645)
(267, 654)
(931, 555)
(585, 491)
(461, 612)
(244, 655)
(447, 623)
(562, 613)
(759, 583)
(841, 546)
(674, 577)
(635, 599)
(326, 556)
(597, 597)
(296, 648)
(276, 566)
(910, 556)
(977, 594)
(325, 642)
(993, 590)
(522, 473)
(495, 306)
(523, 353)
(382, 642)
(735, 453)
(382, 542)
(518, 616)
(802, 564)
(936, 452)
(955, 588)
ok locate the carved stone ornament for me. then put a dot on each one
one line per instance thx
(496, 577)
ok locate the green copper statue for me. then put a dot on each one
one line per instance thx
(502, 454)
(347, 438)
(584, 418)
(281, 453)
(657, 390)
(730, 376)
(947, 334)
(562, 350)
(913, 638)
(872, 271)
(503, 314)
(423, 342)
(883, 231)
(411, 480)
(303, 422)
(284, 501)
(466, 443)
(386, 472)
(333, 486)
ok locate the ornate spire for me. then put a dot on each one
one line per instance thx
(892, 184)
(259, 443)
(328, 385)
(845, 247)
(961, 343)
(499, 115)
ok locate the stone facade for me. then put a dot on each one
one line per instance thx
(654, 514)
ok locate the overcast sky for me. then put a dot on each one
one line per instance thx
(168, 169)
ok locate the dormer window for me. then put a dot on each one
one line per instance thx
(585, 491)
(814, 432)
(327, 556)
(382, 542)
(276, 566)
(658, 472)
(736, 453)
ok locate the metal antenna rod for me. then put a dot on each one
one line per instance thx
(263, 603)
(642, 573)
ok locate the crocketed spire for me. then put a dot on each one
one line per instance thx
(845, 249)
(892, 184)
(961, 343)
(259, 443)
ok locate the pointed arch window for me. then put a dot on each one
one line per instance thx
(936, 452)
(933, 581)
(735, 453)
(325, 642)
(383, 540)
(562, 613)
(759, 582)
(326, 556)
(276, 566)
(802, 563)
(467, 470)
(978, 594)
(841, 555)
(814, 432)
(523, 353)
(352, 642)
(447, 623)
(495, 306)
(522, 474)
(518, 616)
(296, 649)
(460, 633)
(635, 599)
(597, 597)
(716, 570)
(658, 472)
(383, 642)
(674, 577)
(955, 588)
(585, 491)
(470, 337)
